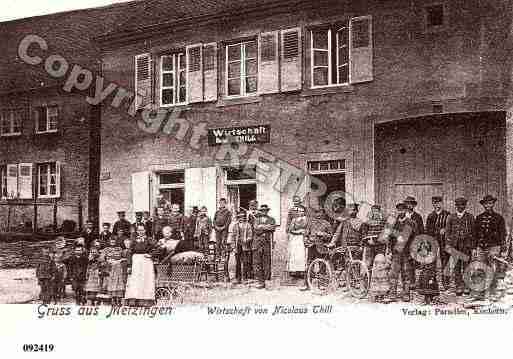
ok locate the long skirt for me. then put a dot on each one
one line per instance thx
(115, 282)
(93, 283)
(141, 283)
(296, 253)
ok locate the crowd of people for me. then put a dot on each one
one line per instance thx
(450, 252)
(118, 264)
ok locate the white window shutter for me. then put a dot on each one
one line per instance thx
(268, 63)
(58, 180)
(193, 185)
(201, 188)
(268, 192)
(143, 80)
(12, 181)
(194, 55)
(360, 49)
(210, 71)
(25, 180)
(140, 191)
(291, 60)
(210, 188)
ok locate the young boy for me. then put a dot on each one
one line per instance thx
(203, 230)
(59, 284)
(45, 272)
(105, 235)
(77, 265)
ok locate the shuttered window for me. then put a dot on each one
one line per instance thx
(173, 79)
(143, 80)
(3, 182)
(341, 53)
(48, 180)
(330, 56)
(291, 62)
(241, 68)
(10, 122)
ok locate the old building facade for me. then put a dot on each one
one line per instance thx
(49, 136)
(376, 99)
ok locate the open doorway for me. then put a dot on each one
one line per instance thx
(333, 174)
(240, 195)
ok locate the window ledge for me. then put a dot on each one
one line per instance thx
(17, 134)
(47, 132)
(224, 102)
(319, 91)
(47, 197)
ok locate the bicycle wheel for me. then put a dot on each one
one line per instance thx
(163, 297)
(319, 275)
(358, 278)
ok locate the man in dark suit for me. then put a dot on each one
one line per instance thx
(435, 227)
(489, 241)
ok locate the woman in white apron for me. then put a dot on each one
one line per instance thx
(140, 290)
(296, 264)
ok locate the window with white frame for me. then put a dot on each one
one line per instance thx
(47, 119)
(241, 68)
(48, 180)
(173, 79)
(329, 53)
(10, 122)
(3, 182)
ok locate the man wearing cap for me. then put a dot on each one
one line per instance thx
(121, 223)
(458, 235)
(402, 263)
(435, 227)
(240, 237)
(489, 237)
(411, 203)
(264, 228)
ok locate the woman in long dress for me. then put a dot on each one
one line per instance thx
(296, 264)
(140, 289)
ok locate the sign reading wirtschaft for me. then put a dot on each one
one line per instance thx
(243, 134)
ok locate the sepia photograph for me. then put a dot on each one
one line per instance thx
(178, 161)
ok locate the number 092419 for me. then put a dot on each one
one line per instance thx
(38, 347)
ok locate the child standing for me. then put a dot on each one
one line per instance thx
(59, 282)
(115, 281)
(105, 235)
(93, 284)
(203, 230)
(77, 266)
(380, 281)
(45, 272)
